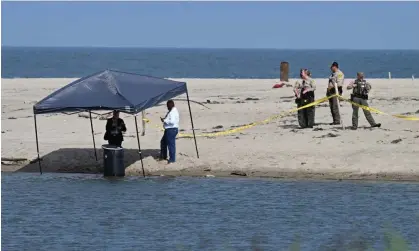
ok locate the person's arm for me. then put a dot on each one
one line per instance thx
(312, 85)
(351, 85)
(108, 125)
(297, 89)
(368, 86)
(123, 128)
(340, 78)
(169, 120)
(332, 81)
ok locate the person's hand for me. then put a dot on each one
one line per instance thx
(305, 91)
(162, 119)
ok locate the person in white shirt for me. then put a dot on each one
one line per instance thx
(171, 129)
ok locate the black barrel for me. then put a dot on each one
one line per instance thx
(113, 161)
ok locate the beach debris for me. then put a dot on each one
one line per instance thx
(210, 176)
(238, 173)
(287, 97)
(252, 99)
(417, 112)
(104, 117)
(235, 126)
(396, 141)
(13, 159)
(318, 129)
(416, 137)
(329, 135)
(35, 160)
(237, 137)
(207, 169)
(84, 115)
(3, 132)
(213, 102)
(278, 85)
(303, 163)
(239, 102)
(218, 127)
(11, 118)
(323, 105)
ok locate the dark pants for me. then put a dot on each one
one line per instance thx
(306, 116)
(168, 141)
(355, 110)
(115, 141)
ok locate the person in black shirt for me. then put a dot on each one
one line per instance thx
(114, 128)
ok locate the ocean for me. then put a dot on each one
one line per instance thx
(89, 212)
(25, 62)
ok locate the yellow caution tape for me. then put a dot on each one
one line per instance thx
(281, 115)
(380, 112)
(241, 128)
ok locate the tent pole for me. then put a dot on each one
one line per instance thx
(143, 118)
(139, 146)
(37, 144)
(193, 128)
(93, 134)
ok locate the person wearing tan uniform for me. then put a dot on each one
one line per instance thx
(304, 93)
(336, 78)
(361, 89)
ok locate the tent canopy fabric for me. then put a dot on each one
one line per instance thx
(111, 90)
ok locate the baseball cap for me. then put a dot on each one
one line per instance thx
(335, 64)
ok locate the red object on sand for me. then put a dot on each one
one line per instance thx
(278, 85)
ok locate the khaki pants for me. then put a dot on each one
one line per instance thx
(355, 110)
(334, 109)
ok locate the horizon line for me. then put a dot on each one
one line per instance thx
(197, 48)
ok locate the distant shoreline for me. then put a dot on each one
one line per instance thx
(280, 175)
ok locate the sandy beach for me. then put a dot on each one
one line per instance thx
(275, 149)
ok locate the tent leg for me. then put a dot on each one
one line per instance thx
(193, 128)
(139, 146)
(143, 116)
(37, 144)
(93, 134)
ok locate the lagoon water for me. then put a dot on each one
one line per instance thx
(89, 212)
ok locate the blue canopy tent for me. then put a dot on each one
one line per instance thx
(111, 90)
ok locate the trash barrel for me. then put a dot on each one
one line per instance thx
(113, 160)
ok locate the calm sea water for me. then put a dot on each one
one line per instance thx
(88, 212)
(203, 63)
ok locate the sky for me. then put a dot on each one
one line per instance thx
(282, 25)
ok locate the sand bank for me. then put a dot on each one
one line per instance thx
(277, 149)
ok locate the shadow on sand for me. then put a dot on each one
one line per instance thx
(82, 160)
